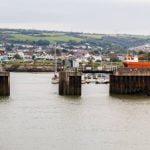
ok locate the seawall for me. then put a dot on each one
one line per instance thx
(28, 68)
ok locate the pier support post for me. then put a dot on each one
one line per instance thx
(4, 84)
(70, 83)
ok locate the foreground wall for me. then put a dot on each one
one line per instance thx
(130, 81)
(70, 83)
(4, 84)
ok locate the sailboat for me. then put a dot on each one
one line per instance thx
(55, 78)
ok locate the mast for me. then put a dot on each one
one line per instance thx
(55, 59)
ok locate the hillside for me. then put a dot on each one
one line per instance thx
(72, 39)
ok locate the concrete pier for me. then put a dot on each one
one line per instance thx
(130, 81)
(70, 83)
(4, 84)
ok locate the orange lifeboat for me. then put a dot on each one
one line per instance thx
(133, 61)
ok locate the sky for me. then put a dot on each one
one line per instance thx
(94, 16)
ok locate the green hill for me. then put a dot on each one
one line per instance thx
(117, 42)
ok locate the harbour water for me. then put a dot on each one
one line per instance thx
(35, 117)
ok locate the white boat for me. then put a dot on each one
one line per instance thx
(88, 81)
(83, 81)
(106, 81)
(97, 82)
(55, 79)
(102, 81)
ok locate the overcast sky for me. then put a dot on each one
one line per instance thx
(99, 16)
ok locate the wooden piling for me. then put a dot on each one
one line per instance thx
(4, 84)
(70, 83)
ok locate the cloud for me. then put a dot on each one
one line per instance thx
(77, 15)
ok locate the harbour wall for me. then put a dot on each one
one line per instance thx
(130, 81)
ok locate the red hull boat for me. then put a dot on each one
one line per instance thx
(132, 61)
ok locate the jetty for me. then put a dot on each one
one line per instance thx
(130, 81)
(4, 82)
(70, 82)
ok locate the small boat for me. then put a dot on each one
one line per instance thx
(101, 75)
(55, 79)
(89, 76)
(88, 82)
(106, 81)
(94, 77)
(97, 82)
(83, 81)
(102, 81)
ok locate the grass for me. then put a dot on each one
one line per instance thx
(94, 36)
(50, 38)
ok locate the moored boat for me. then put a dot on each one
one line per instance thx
(55, 79)
(102, 81)
(83, 81)
(133, 61)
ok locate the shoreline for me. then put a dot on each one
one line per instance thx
(28, 68)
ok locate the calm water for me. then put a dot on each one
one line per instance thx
(34, 117)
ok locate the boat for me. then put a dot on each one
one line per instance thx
(94, 76)
(89, 76)
(55, 79)
(83, 81)
(106, 81)
(101, 75)
(133, 61)
(102, 81)
(97, 82)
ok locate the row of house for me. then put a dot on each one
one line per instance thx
(73, 58)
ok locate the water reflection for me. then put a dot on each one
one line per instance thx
(71, 98)
(5, 99)
(75, 100)
(130, 97)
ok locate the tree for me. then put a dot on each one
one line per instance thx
(114, 59)
(17, 56)
(42, 42)
(141, 52)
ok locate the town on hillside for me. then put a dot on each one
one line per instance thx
(20, 47)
